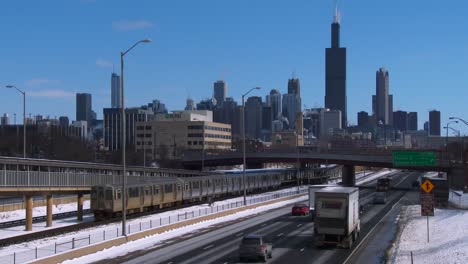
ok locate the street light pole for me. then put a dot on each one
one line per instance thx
(243, 141)
(124, 169)
(24, 117)
(446, 136)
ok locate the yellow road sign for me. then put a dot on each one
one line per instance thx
(427, 186)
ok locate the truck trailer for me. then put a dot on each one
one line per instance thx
(336, 216)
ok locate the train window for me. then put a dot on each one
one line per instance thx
(178, 187)
(93, 195)
(196, 185)
(133, 192)
(156, 190)
(147, 191)
(109, 195)
(186, 186)
(118, 194)
(168, 188)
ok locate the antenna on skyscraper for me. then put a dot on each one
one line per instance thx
(337, 15)
(294, 74)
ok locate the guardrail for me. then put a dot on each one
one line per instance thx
(112, 233)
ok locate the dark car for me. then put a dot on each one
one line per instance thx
(254, 247)
(300, 209)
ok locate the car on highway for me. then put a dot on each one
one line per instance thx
(380, 197)
(253, 246)
(300, 209)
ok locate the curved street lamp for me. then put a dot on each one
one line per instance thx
(243, 141)
(446, 137)
(124, 169)
(24, 116)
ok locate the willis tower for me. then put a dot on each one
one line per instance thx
(335, 72)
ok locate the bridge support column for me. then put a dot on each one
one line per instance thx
(348, 177)
(80, 207)
(29, 215)
(49, 210)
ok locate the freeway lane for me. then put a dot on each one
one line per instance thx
(292, 239)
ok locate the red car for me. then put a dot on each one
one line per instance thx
(300, 209)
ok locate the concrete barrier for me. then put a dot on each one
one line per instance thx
(79, 252)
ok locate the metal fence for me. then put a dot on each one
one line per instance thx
(23, 256)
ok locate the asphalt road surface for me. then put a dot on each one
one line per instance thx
(292, 238)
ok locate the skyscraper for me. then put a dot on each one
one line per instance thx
(83, 107)
(363, 119)
(291, 105)
(274, 100)
(383, 102)
(294, 86)
(220, 92)
(412, 121)
(434, 123)
(335, 72)
(116, 101)
(253, 117)
(400, 120)
(190, 104)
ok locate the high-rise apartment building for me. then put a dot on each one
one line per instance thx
(220, 92)
(274, 100)
(253, 117)
(294, 86)
(83, 107)
(116, 100)
(434, 123)
(335, 73)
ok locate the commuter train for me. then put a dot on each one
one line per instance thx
(162, 192)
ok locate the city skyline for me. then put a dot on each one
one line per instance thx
(51, 89)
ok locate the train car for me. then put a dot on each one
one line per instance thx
(106, 200)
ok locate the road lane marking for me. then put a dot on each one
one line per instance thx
(302, 249)
(210, 246)
(280, 234)
(264, 225)
(169, 263)
(299, 225)
(240, 234)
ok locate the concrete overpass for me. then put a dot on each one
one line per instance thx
(457, 171)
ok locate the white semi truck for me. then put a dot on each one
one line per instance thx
(336, 216)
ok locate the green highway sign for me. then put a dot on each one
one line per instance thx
(411, 158)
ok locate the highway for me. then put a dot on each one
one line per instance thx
(292, 238)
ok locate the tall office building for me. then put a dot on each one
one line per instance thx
(5, 120)
(220, 92)
(329, 121)
(335, 73)
(274, 101)
(253, 117)
(113, 125)
(63, 121)
(291, 105)
(383, 101)
(190, 104)
(116, 101)
(363, 119)
(294, 86)
(400, 120)
(83, 107)
(412, 121)
(434, 123)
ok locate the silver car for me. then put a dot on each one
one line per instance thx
(254, 247)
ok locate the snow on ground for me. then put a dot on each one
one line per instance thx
(19, 230)
(40, 211)
(155, 240)
(448, 236)
(375, 176)
(458, 199)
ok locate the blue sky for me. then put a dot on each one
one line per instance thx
(53, 49)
